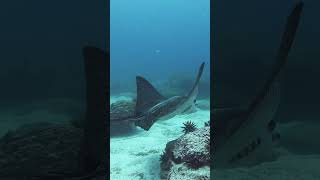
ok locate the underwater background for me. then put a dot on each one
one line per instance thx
(158, 40)
(42, 78)
(165, 42)
(41, 68)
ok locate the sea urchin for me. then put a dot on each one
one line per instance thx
(164, 157)
(206, 124)
(188, 127)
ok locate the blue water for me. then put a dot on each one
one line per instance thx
(158, 38)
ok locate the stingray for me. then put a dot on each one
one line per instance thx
(245, 136)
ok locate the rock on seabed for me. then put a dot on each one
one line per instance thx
(188, 157)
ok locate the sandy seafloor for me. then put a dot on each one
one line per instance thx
(289, 167)
(136, 156)
(298, 157)
(54, 110)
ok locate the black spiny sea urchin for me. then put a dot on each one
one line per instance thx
(188, 127)
(164, 157)
(207, 123)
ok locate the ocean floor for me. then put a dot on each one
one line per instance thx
(136, 156)
(299, 157)
(55, 110)
(291, 167)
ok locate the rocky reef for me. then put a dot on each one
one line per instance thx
(42, 150)
(187, 157)
(122, 109)
(119, 111)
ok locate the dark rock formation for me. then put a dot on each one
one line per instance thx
(122, 110)
(119, 111)
(187, 157)
(41, 150)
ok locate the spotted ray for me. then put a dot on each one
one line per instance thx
(151, 106)
(244, 137)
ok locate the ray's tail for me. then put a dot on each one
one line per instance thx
(283, 51)
(96, 124)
